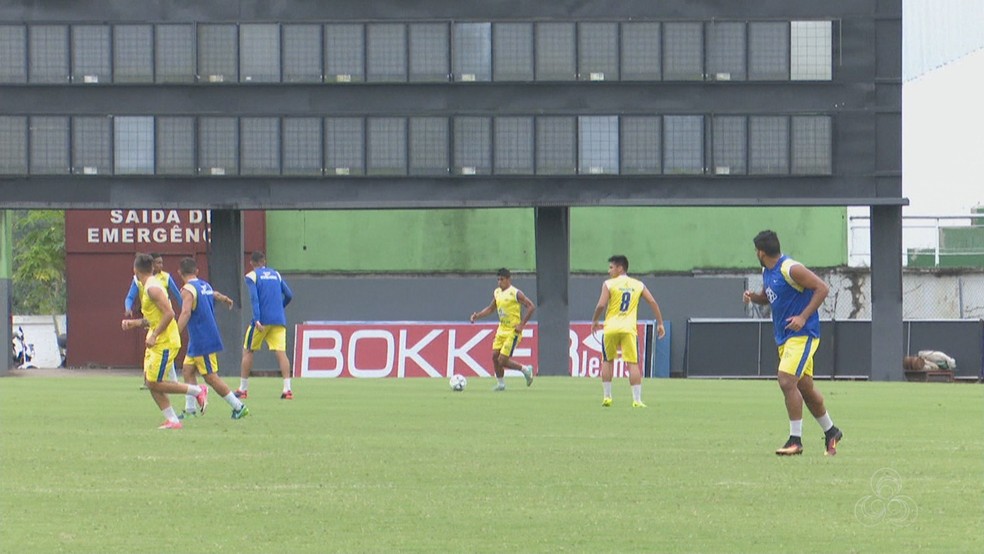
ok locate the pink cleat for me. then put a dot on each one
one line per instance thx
(202, 400)
(171, 425)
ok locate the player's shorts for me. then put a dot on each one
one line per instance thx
(156, 363)
(796, 355)
(206, 365)
(275, 337)
(615, 341)
(506, 341)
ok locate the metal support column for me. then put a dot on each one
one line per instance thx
(553, 255)
(6, 288)
(225, 271)
(887, 346)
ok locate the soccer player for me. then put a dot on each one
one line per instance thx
(619, 301)
(795, 293)
(204, 342)
(269, 295)
(134, 293)
(508, 302)
(163, 342)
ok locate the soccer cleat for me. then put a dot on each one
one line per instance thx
(171, 425)
(185, 414)
(241, 393)
(499, 387)
(202, 399)
(638, 404)
(792, 447)
(830, 440)
(240, 413)
(528, 373)
(606, 402)
(287, 395)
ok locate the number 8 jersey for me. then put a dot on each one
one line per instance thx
(623, 302)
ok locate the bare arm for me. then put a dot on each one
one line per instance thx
(224, 299)
(602, 303)
(755, 297)
(660, 330)
(186, 300)
(808, 280)
(485, 311)
(530, 308)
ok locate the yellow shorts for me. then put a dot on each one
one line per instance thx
(156, 363)
(627, 342)
(506, 341)
(275, 337)
(796, 355)
(205, 365)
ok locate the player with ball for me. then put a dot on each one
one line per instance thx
(508, 302)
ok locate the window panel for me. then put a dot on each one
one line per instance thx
(812, 145)
(345, 53)
(429, 146)
(174, 51)
(429, 52)
(344, 146)
(48, 62)
(641, 51)
(386, 150)
(473, 145)
(683, 144)
(302, 146)
(555, 146)
(259, 52)
(768, 148)
(218, 146)
(730, 137)
(473, 52)
(49, 146)
(555, 52)
(91, 146)
(259, 146)
(514, 146)
(302, 54)
(811, 51)
(768, 51)
(598, 145)
(386, 52)
(597, 52)
(133, 54)
(175, 146)
(13, 145)
(13, 54)
(217, 53)
(726, 51)
(512, 52)
(133, 145)
(90, 54)
(684, 51)
(642, 137)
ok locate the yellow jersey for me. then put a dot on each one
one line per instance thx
(170, 338)
(623, 303)
(164, 277)
(508, 307)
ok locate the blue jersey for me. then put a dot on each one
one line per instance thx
(788, 299)
(203, 332)
(269, 295)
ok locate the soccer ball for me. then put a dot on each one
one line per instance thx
(458, 383)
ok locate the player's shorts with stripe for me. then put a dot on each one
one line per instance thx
(156, 363)
(206, 365)
(626, 342)
(506, 341)
(796, 355)
(275, 337)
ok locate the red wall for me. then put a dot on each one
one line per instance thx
(99, 250)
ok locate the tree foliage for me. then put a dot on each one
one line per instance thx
(39, 262)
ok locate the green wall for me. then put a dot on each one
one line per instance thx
(654, 239)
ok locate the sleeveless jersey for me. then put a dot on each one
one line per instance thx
(170, 338)
(623, 303)
(788, 299)
(508, 307)
(203, 332)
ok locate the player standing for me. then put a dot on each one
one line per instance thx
(508, 302)
(619, 301)
(795, 293)
(269, 295)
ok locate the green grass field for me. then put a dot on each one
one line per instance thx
(408, 466)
